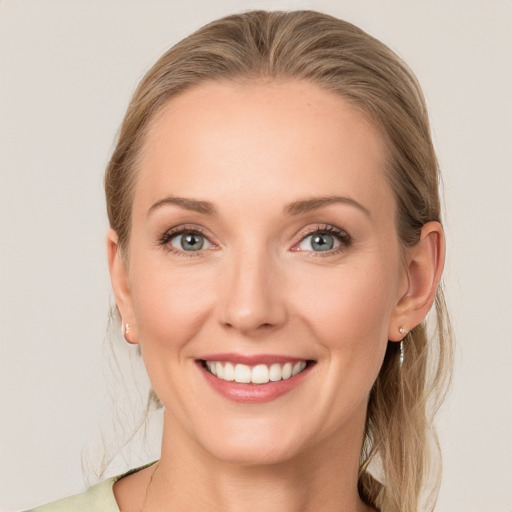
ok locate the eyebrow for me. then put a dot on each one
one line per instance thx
(296, 208)
(315, 203)
(193, 205)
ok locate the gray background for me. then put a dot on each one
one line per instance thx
(67, 69)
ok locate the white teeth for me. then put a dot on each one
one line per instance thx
(212, 366)
(274, 372)
(220, 370)
(229, 372)
(259, 374)
(286, 372)
(298, 367)
(242, 373)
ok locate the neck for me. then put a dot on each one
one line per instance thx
(322, 478)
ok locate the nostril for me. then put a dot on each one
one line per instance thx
(243, 326)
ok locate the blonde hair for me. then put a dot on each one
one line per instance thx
(396, 461)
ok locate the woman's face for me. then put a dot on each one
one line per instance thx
(263, 242)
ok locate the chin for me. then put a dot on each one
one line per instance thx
(252, 455)
(263, 445)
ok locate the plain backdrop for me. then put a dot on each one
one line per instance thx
(67, 69)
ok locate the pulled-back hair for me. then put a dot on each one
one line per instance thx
(399, 458)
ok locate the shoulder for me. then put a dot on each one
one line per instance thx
(99, 497)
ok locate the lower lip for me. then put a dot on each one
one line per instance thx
(253, 393)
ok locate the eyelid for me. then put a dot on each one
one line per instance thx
(344, 238)
(182, 229)
(178, 238)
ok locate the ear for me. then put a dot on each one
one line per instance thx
(425, 262)
(121, 287)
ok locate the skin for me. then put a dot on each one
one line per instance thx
(259, 287)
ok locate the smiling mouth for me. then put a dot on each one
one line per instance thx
(257, 374)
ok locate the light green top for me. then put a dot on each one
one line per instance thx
(98, 498)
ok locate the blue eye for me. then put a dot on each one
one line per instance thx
(319, 242)
(322, 242)
(325, 239)
(189, 241)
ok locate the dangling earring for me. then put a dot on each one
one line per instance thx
(404, 333)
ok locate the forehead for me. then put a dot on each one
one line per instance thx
(232, 141)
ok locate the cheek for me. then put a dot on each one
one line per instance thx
(356, 300)
(170, 304)
(171, 307)
(348, 311)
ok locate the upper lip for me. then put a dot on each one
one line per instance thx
(252, 359)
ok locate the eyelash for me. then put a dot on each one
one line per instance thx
(342, 236)
(166, 238)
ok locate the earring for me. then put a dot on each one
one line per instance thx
(126, 331)
(404, 333)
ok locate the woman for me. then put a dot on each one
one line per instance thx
(274, 247)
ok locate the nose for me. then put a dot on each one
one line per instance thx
(253, 295)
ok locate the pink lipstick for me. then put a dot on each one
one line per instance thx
(255, 378)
